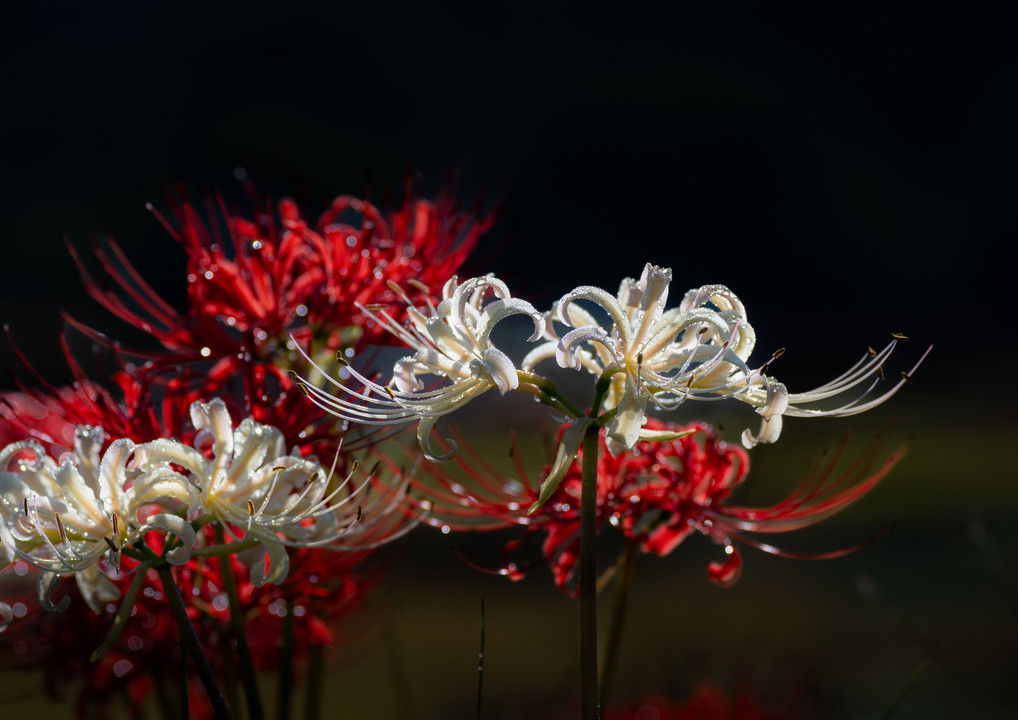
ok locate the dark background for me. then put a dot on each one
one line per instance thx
(848, 173)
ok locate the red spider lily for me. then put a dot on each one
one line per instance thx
(251, 283)
(656, 495)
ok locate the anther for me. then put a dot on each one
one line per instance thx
(278, 468)
(374, 468)
(354, 466)
(292, 373)
(905, 376)
(375, 307)
(313, 477)
(303, 389)
(360, 513)
(250, 508)
(340, 359)
(778, 353)
(899, 336)
(26, 506)
(872, 352)
(765, 367)
(419, 285)
(60, 527)
(112, 545)
(389, 392)
(880, 371)
(395, 288)
(116, 525)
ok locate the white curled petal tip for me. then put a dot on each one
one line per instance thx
(182, 529)
(566, 352)
(96, 589)
(501, 369)
(776, 402)
(278, 562)
(6, 615)
(44, 588)
(214, 417)
(424, 440)
(770, 431)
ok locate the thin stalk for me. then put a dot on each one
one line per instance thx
(611, 653)
(189, 639)
(248, 676)
(480, 665)
(313, 695)
(286, 664)
(588, 578)
(185, 682)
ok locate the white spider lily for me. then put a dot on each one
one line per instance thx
(668, 356)
(64, 517)
(451, 341)
(251, 484)
(698, 350)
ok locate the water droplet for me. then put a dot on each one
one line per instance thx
(191, 277)
(446, 529)
(122, 667)
(351, 241)
(256, 245)
(19, 609)
(220, 602)
(301, 310)
(209, 274)
(205, 352)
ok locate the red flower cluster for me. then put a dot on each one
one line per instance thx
(251, 283)
(656, 496)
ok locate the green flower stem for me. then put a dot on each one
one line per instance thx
(313, 694)
(611, 654)
(286, 664)
(588, 577)
(549, 392)
(190, 641)
(247, 670)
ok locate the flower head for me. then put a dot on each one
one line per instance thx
(452, 341)
(656, 495)
(63, 517)
(696, 351)
(252, 282)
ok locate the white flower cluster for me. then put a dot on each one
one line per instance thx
(649, 353)
(76, 515)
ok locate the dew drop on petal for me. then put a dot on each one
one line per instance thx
(446, 529)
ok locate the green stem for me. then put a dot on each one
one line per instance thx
(189, 639)
(611, 654)
(313, 695)
(588, 577)
(286, 664)
(248, 676)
